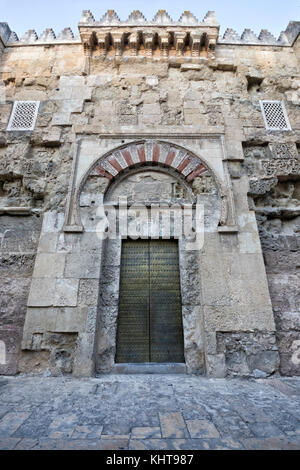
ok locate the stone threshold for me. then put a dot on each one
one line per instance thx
(150, 368)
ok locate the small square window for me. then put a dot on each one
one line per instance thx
(23, 116)
(275, 116)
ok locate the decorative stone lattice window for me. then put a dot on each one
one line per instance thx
(23, 116)
(275, 116)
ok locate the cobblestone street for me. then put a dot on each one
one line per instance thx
(149, 412)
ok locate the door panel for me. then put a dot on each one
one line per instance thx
(133, 320)
(150, 320)
(166, 335)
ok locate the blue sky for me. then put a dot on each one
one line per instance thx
(273, 15)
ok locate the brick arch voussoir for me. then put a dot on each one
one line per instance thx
(138, 154)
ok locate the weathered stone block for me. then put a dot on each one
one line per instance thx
(42, 293)
(49, 265)
(48, 243)
(88, 292)
(72, 106)
(84, 361)
(70, 319)
(66, 293)
(249, 353)
(52, 138)
(81, 93)
(82, 267)
(52, 222)
(38, 320)
(215, 365)
(71, 81)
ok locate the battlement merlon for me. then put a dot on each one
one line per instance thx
(137, 30)
(5, 33)
(136, 34)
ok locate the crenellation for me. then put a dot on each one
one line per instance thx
(292, 31)
(249, 36)
(136, 17)
(162, 17)
(5, 32)
(283, 39)
(231, 35)
(266, 37)
(13, 37)
(110, 18)
(29, 37)
(66, 34)
(187, 18)
(47, 36)
(211, 18)
(87, 17)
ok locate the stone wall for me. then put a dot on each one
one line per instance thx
(106, 92)
(275, 198)
(19, 236)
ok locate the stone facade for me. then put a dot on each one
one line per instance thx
(157, 111)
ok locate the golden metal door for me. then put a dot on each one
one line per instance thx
(150, 319)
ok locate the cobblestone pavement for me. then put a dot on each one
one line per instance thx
(149, 412)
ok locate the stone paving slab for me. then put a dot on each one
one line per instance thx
(156, 412)
(146, 433)
(201, 428)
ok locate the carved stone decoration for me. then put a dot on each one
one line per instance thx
(118, 42)
(261, 186)
(285, 167)
(125, 37)
(133, 42)
(164, 42)
(148, 39)
(179, 42)
(87, 39)
(195, 43)
(283, 150)
(103, 42)
(211, 43)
